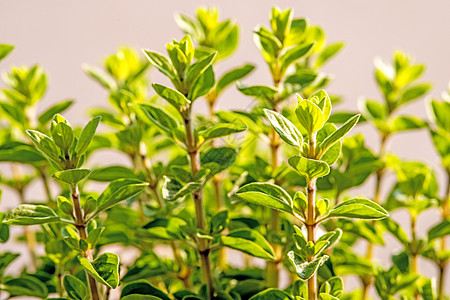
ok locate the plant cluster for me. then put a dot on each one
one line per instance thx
(269, 186)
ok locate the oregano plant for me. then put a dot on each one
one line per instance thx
(258, 203)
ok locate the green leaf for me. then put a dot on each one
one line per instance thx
(72, 176)
(47, 115)
(105, 269)
(216, 160)
(6, 259)
(403, 123)
(294, 54)
(232, 76)
(101, 77)
(204, 83)
(45, 144)
(21, 153)
(221, 130)
(440, 230)
(374, 109)
(310, 116)
(248, 241)
(358, 208)
(172, 96)
(65, 205)
(303, 268)
(142, 288)
(414, 92)
(75, 288)
(153, 115)
(327, 53)
(309, 168)
(107, 174)
(195, 70)
(396, 230)
(26, 285)
(119, 190)
(86, 136)
(266, 194)
(258, 91)
(5, 49)
(287, 131)
(271, 294)
(29, 214)
(173, 189)
(161, 63)
(338, 134)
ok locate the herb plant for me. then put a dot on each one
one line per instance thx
(269, 185)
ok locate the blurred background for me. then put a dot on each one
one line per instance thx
(62, 35)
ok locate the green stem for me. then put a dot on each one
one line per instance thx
(310, 217)
(445, 216)
(202, 244)
(80, 224)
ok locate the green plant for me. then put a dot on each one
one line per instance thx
(274, 183)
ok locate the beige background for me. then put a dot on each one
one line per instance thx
(61, 35)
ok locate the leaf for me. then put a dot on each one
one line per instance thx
(175, 98)
(414, 92)
(221, 130)
(338, 134)
(258, 91)
(310, 116)
(303, 268)
(26, 285)
(173, 189)
(105, 269)
(86, 136)
(195, 70)
(266, 194)
(327, 53)
(294, 54)
(161, 63)
(5, 49)
(75, 288)
(403, 123)
(249, 241)
(271, 294)
(21, 153)
(440, 230)
(358, 208)
(72, 176)
(309, 168)
(107, 174)
(287, 131)
(204, 83)
(119, 190)
(232, 76)
(6, 259)
(217, 159)
(45, 144)
(142, 288)
(29, 214)
(47, 115)
(153, 115)
(396, 230)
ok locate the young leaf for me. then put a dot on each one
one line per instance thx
(303, 268)
(195, 70)
(287, 131)
(221, 130)
(172, 189)
(310, 116)
(47, 115)
(111, 173)
(202, 85)
(153, 115)
(29, 214)
(135, 289)
(172, 96)
(75, 288)
(403, 123)
(338, 134)
(161, 63)
(45, 144)
(26, 285)
(86, 136)
(440, 230)
(5, 49)
(271, 294)
(358, 208)
(232, 76)
(258, 91)
(414, 92)
(249, 241)
(105, 269)
(327, 53)
(309, 168)
(294, 54)
(101, 77)
(266, 194)
(72, 176)
(119, 190)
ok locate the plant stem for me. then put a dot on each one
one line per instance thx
(414, 268)
(310, 217)
(81, 227)
(30, 237)
(443, 263)
(202, 244)
(45, 182)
